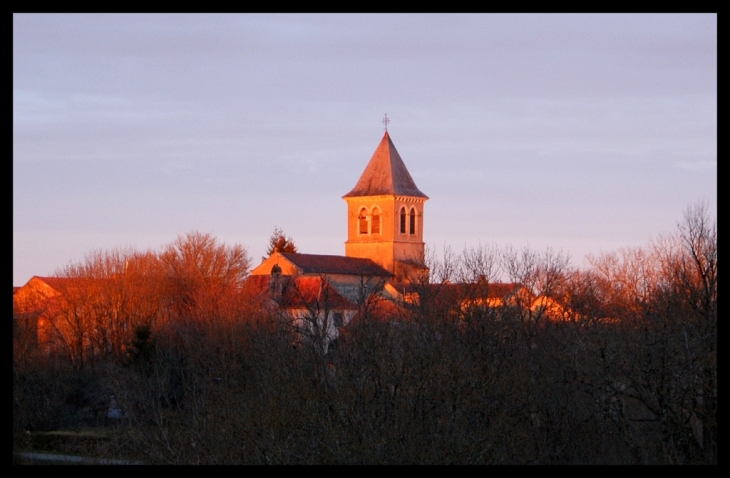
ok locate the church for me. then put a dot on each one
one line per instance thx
(384, 223)
(384, 251)
(384, 259)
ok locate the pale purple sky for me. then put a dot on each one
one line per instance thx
(585, 133)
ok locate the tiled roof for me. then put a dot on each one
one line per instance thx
(321, 264)
(385, 174)
(302, 292)
(381, 311)
(309, 292)
(255, 285)
(494, 290)
(56, 283)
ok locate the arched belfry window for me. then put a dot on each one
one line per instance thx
(402, 220)
(375, 222)
(362, 219)
(412, 223)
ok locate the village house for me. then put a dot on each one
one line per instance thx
(33, 305)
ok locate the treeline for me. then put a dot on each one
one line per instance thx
(205, 374)
(97, 304)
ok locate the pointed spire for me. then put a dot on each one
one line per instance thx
(385, 174)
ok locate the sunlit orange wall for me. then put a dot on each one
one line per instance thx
(390, 245)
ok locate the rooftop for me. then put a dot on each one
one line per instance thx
(385, 174)
(322, 264)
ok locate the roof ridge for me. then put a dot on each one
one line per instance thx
(332, 264)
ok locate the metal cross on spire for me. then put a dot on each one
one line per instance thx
(386, 121)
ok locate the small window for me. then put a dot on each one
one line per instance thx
(402, 220)
(363, 221)
(413, 222)
(375, 222)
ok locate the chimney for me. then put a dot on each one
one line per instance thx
(276, 283)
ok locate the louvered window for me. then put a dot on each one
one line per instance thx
(402, 220)
(413, 222)
(375, 224)
(363, 221)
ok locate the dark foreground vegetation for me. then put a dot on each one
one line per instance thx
(206, 375)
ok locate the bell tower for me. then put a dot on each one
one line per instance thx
(385, 215)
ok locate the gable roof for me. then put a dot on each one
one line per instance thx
(385, 174)
(56, 283)
(301, 292)
(321, 264)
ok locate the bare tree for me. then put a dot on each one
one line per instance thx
(542, 274)
(201, 272)
(657, 374)
(696, 271)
